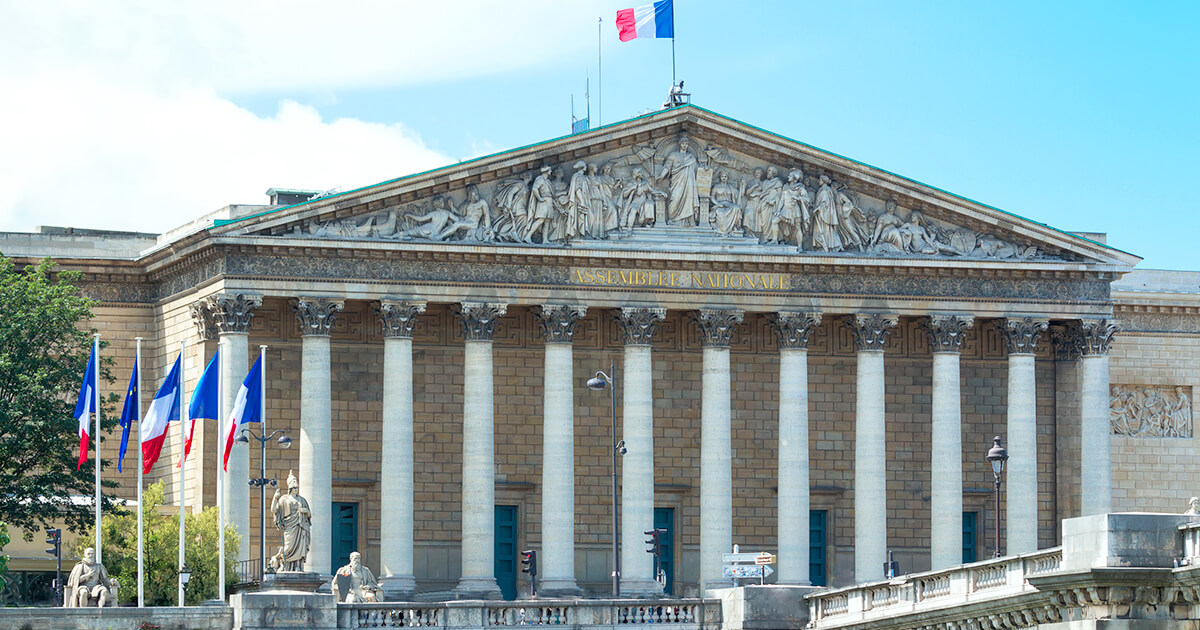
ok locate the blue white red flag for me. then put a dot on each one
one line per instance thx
(651, 20)
(163, 410)
(88, 404)
(205, 403)
(246, 407)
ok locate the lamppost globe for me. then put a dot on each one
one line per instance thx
(285, 441)
(597, 382)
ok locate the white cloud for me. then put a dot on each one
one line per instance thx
(116, 114)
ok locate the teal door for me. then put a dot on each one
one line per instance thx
(506, 550)
(816, 547)
(664, 518)
(345, 533)
(970, 553)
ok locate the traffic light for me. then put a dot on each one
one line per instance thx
(54, 537)
(529, 559)
(654, 543)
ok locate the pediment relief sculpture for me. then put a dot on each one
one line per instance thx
(675, 183)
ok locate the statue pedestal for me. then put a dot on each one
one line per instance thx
(398, 588)
(295, 581)
(283, 609)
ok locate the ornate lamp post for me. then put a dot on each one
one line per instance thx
(997, 456)
(262, 481)
(598, 382)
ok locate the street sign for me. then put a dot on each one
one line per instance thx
(740, 557)
(764, 558)
(746, 571)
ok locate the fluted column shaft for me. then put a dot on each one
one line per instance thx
(396, 468)
(870, 438)
(716, 455)
(558, 324)
(637, 465)
(316, 471)
(945, 337)
(1094, 338)
(793, 330)
(1021, 338)
(479, 468)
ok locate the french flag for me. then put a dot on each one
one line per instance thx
(205, 401)
(651, 20)
(163, 410)
(89, 403)
(246, 407)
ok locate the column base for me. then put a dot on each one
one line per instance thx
(559, 587)
(641, 588)
(710, 585)
(398, 588)
(477, 588)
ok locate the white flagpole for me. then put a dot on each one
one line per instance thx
(262, 428)
(96, 394)
(220, 474)
(183, 411)
(137, 366)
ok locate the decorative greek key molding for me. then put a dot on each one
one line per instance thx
(1095, 336)
(478, 319)
(398, 317)
(1021, 334)
(638, 324)
(316, 314)
(202, 316)
(871, 330)
(793, 327)
(1151, 411)
(558, 322)
(946, 331)
(716, 326)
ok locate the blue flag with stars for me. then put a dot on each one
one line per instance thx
(128, 413)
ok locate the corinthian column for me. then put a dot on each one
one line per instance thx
(396, 470)
(716, 449)
(871, 331)
(793, 330)
(558, 324)
(637, 468)
(1021, 339)
(479, 456)
(231, 315)
(316, 471)
(1094, 337)
(945, 337)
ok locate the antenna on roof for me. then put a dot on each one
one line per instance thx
(582, 124)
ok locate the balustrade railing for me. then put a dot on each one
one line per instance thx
(689, 614)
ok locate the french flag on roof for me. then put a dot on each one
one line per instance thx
(651, 20)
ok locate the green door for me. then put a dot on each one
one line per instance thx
(816, 547)
(664, 518)
(970, 553)
(506, 550)
(345, 533)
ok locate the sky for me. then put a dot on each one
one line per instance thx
(143, 116)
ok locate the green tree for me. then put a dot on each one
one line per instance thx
(43, 356)
(4, 539)
(161, 551)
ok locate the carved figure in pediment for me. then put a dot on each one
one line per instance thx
(433, 224)
(680, 170)
(753, 219)
(771, 208)
(726, 205)
(852, 227)
(825, 218)
(604, 195)
(475, 220)
(511, 200)
(795, 209)
(887, 227)
(544, 210)
(637, 201)
(579, 205)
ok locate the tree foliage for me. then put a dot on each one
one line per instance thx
(161, 560)
(43, 356)
(4, 540)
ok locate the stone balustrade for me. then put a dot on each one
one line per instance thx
(679, 614)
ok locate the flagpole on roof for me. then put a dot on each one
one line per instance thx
(96, 395)
(183, 412)
(599, 73)
(137, 368)
(220, 482)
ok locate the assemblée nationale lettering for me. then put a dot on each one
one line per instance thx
(681, 279)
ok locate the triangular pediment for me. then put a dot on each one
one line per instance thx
(679, 180)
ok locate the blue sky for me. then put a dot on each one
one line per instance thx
(1079, 115)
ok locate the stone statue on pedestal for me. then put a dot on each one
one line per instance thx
(294, 519)
(355, 583)
(89, 584)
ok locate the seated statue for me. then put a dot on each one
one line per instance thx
(89, 584)
(355, 583)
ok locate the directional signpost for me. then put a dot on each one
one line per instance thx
(747, 565)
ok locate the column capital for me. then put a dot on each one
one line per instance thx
(558, 322)
(793, 327)
(399, 317)
(1021, 334)
(202, 317)
(316, 314)
(946, 331)
(1094, 336)
(871, 330)
(232, 311)
(637, 324)
(478, 319)
(717, 325)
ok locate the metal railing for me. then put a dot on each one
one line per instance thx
(248, 571)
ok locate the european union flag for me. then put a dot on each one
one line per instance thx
(128, 413)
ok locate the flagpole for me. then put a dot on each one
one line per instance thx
(96, 394)
(262, 496)
(672, 59)
(220, 478)
(599, 74)
(137, 367)
(183, 406)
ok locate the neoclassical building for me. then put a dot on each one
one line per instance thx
(811, 358)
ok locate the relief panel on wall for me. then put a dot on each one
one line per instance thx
(1151, 411)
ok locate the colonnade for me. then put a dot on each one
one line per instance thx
(1089, 340)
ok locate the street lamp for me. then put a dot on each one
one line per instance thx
(598, 382)
(185, 576)
(262, 482)
(997, 456)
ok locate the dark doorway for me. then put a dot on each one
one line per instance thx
(345, 533)
(664, 518)
(506, 550)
